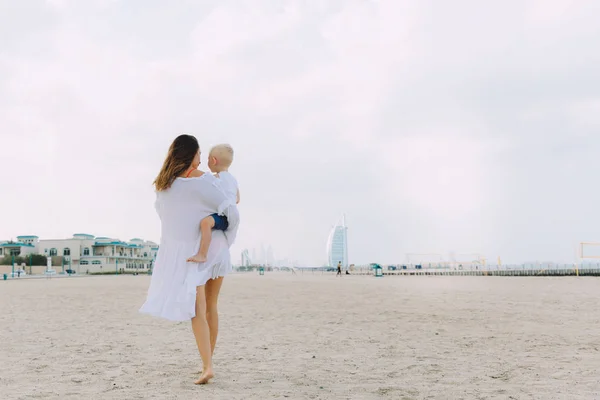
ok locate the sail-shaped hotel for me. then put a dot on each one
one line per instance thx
(337, 244)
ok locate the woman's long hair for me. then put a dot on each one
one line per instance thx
(181, 154)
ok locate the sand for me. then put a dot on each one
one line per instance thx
(308, 337)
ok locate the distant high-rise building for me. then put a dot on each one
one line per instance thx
(270, 256)
(337, 244)
(246, 258)
(263, 255)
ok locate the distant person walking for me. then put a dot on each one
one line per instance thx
(339, 269)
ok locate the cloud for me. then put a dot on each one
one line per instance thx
(461, 127)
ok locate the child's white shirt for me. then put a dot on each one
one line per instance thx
(229, 185)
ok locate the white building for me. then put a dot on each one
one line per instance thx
(337, 244)
(87, 254)
(24, 245)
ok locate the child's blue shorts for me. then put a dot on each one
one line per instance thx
(221, 222)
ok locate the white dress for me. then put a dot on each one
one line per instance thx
(172, 292)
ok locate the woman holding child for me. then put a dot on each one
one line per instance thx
(181, 290)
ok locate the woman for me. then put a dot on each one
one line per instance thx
(178, 290)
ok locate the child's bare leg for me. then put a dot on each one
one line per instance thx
(206, 226)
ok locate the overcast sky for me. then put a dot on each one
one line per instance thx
(436, 126)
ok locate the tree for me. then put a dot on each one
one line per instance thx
(34, 259)
(37, 259)
(7, 260)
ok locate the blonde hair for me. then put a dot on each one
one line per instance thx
(223, 153)
(180, 157)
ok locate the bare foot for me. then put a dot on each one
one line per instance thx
(206, 376)
(198, 258)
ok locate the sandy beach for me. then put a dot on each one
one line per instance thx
(308, 337)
